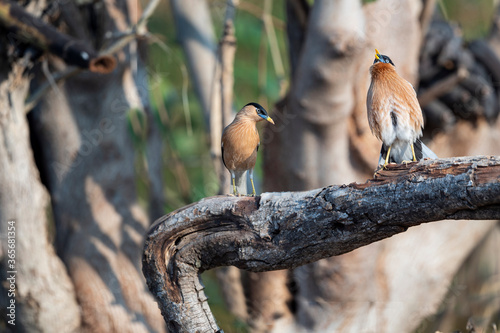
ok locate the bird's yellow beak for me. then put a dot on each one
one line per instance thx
(270, 120)
(377, 53)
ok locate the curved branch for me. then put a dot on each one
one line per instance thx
(285, 230)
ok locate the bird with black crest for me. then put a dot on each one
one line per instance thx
(240, 143)
(394, 114)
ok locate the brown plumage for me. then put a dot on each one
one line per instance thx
(240, 143)
(394, 114)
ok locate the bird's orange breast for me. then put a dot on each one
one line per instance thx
(239, 143)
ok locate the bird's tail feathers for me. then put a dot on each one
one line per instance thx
(427, 152)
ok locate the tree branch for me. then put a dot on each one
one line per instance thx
(33, 30)
(285, 230)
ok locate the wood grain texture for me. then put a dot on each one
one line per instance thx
(285, 230)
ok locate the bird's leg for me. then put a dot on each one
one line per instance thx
(387, 157)
(414, 158)
(385, 163)
(233, 178)
(250, 173)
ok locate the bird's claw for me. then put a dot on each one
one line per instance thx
(380, 167)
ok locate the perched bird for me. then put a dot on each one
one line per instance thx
(394, 114)
(240, 143)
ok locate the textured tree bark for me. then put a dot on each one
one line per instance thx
(286, 230)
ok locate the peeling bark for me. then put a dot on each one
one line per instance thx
(285, 230)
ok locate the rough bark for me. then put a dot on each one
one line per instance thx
(286, 230)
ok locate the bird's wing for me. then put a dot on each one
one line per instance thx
(369, 98)
(370, 111)
(222, 152)
(416, 117)
(375, 109)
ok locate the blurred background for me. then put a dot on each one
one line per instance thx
(188, 173)
(154, 149)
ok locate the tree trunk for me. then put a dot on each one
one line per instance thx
(88, 158)
(39, 295)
